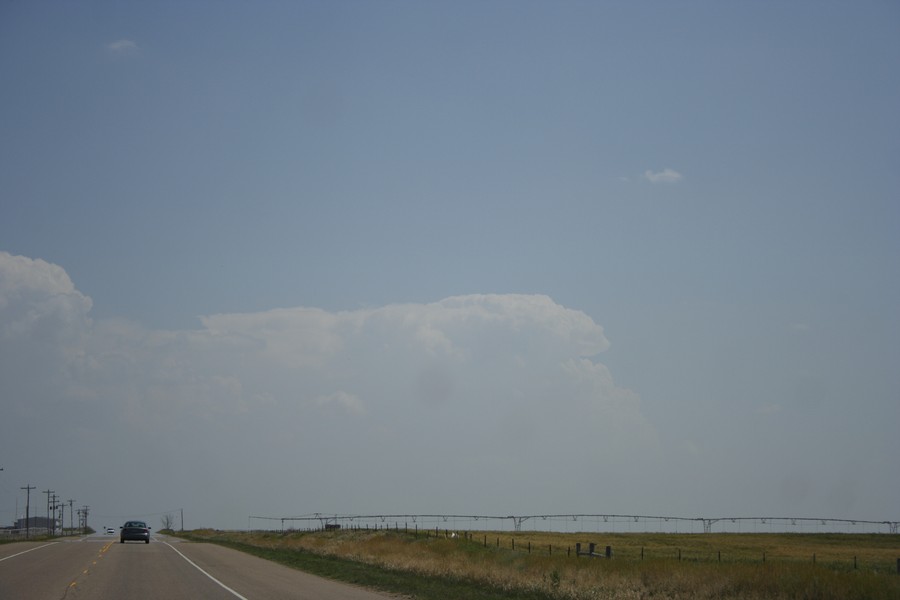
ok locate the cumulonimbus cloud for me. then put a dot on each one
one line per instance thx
(514, 375)
(304, 356)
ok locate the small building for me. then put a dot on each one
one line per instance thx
(37, 523)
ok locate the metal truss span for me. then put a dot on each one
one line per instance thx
(578, 523)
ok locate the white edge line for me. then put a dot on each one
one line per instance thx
(27, 551)
(193, 564)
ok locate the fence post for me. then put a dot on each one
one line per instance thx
(609, 552)
(578, 552)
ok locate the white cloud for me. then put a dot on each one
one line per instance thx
(122, 46)
(39, 304)
(664, 176)
(479, 386)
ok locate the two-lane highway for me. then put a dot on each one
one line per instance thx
(99, 567)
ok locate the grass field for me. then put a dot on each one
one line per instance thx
(486, 565)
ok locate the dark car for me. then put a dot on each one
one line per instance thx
(135, 530)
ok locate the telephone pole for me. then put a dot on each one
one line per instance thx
(48, 492)
(57, 513)
(27, 489)
(71, 516)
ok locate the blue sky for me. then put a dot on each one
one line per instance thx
(706, 192)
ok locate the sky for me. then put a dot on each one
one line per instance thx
(278, 258)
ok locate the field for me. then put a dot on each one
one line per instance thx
(536, 565)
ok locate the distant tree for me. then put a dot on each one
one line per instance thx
(168, 521)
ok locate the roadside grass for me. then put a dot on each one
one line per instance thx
(33, 538)
(409, 583)
(484, 565)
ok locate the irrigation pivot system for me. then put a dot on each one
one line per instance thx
(576, 523)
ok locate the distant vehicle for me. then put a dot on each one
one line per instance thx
(135, 530)
(110, 531)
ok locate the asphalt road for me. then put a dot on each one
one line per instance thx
(98, 567)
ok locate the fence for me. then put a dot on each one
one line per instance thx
(695, 550)
(11, 533)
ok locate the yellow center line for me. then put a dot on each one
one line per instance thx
(106, 547)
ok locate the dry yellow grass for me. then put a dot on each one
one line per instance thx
(787, 571)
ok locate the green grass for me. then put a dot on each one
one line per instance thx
(486, 566)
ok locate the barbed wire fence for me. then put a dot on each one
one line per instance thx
(574, 523)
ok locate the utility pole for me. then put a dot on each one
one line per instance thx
(57, 509)
(48, 492)
(71, 516)
(84, 513)
(27, 489)
(52, 523)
